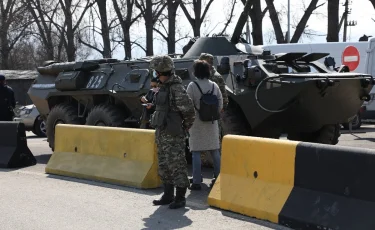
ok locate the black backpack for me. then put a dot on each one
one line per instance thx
(209, 105)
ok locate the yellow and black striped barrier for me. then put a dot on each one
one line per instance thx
(297, 184)
(113, 155)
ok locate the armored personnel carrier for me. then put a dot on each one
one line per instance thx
(269, 94)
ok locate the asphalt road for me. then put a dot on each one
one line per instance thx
(31, 199)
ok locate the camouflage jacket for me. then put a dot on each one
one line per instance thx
(219, 80)
(180, 100)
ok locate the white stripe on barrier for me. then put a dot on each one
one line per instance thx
(350, 58)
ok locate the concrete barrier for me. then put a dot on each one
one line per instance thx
(296, 184)
(114, 155)
(14, 151)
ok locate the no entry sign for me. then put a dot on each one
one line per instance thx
(350, 57)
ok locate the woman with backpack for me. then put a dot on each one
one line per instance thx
(204, 134)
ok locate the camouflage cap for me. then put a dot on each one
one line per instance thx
(207, 57)
(162, 63)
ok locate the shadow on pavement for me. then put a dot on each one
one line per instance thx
(166, 218)
(35, 137)
(355, 131)
(263, 223)
(10, 169)
(364, 138)
(43, 159)
(150, 192)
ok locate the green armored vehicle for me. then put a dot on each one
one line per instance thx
(269, 94)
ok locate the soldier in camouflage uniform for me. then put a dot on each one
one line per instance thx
(173, 117)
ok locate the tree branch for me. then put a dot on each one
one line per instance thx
(206, 10)
(139, 45)
(230, 18)
(161, 34)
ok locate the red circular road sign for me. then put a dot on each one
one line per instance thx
(350, 57)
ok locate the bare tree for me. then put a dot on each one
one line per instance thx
(151, 11)
(253, 9)
(68, 30)
(45, 29)
(102, 5)
(24, 55)
(170, 32)
(100, 13)
(14, 23)
(301, 26)
(198, 19)
(333, 21)
(125, 11)
(229, 17)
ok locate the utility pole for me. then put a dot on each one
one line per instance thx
(346, 13)
(288, 34)
(344, 20)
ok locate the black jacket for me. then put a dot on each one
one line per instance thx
(7, 102)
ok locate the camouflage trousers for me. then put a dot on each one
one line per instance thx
(171, 158)
(207, 160)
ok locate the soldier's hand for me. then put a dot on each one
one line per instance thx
(149, 105)
(143, 99)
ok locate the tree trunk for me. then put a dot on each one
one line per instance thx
(198, 19)
(4, 56)
(275, 22)
(257, 23)
(105, 29)
(333, 21)
(172, 14)
(70, 48)
(60, 47)
(149, 28)
(149, 39)
(125, 23)
(45, 32)
(127, 43)
(197, 29)
(241, 21)
(4, 43)
(50, 52)
(303, 22)
(373, 3)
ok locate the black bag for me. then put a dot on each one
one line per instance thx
(209, 105)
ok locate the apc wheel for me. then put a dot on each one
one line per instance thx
(60, 114)
(328, 134)
(40, 128)
(106, 115)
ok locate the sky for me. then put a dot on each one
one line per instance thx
(362, 12)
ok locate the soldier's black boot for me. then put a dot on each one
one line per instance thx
(180, 200)
(167, 197)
